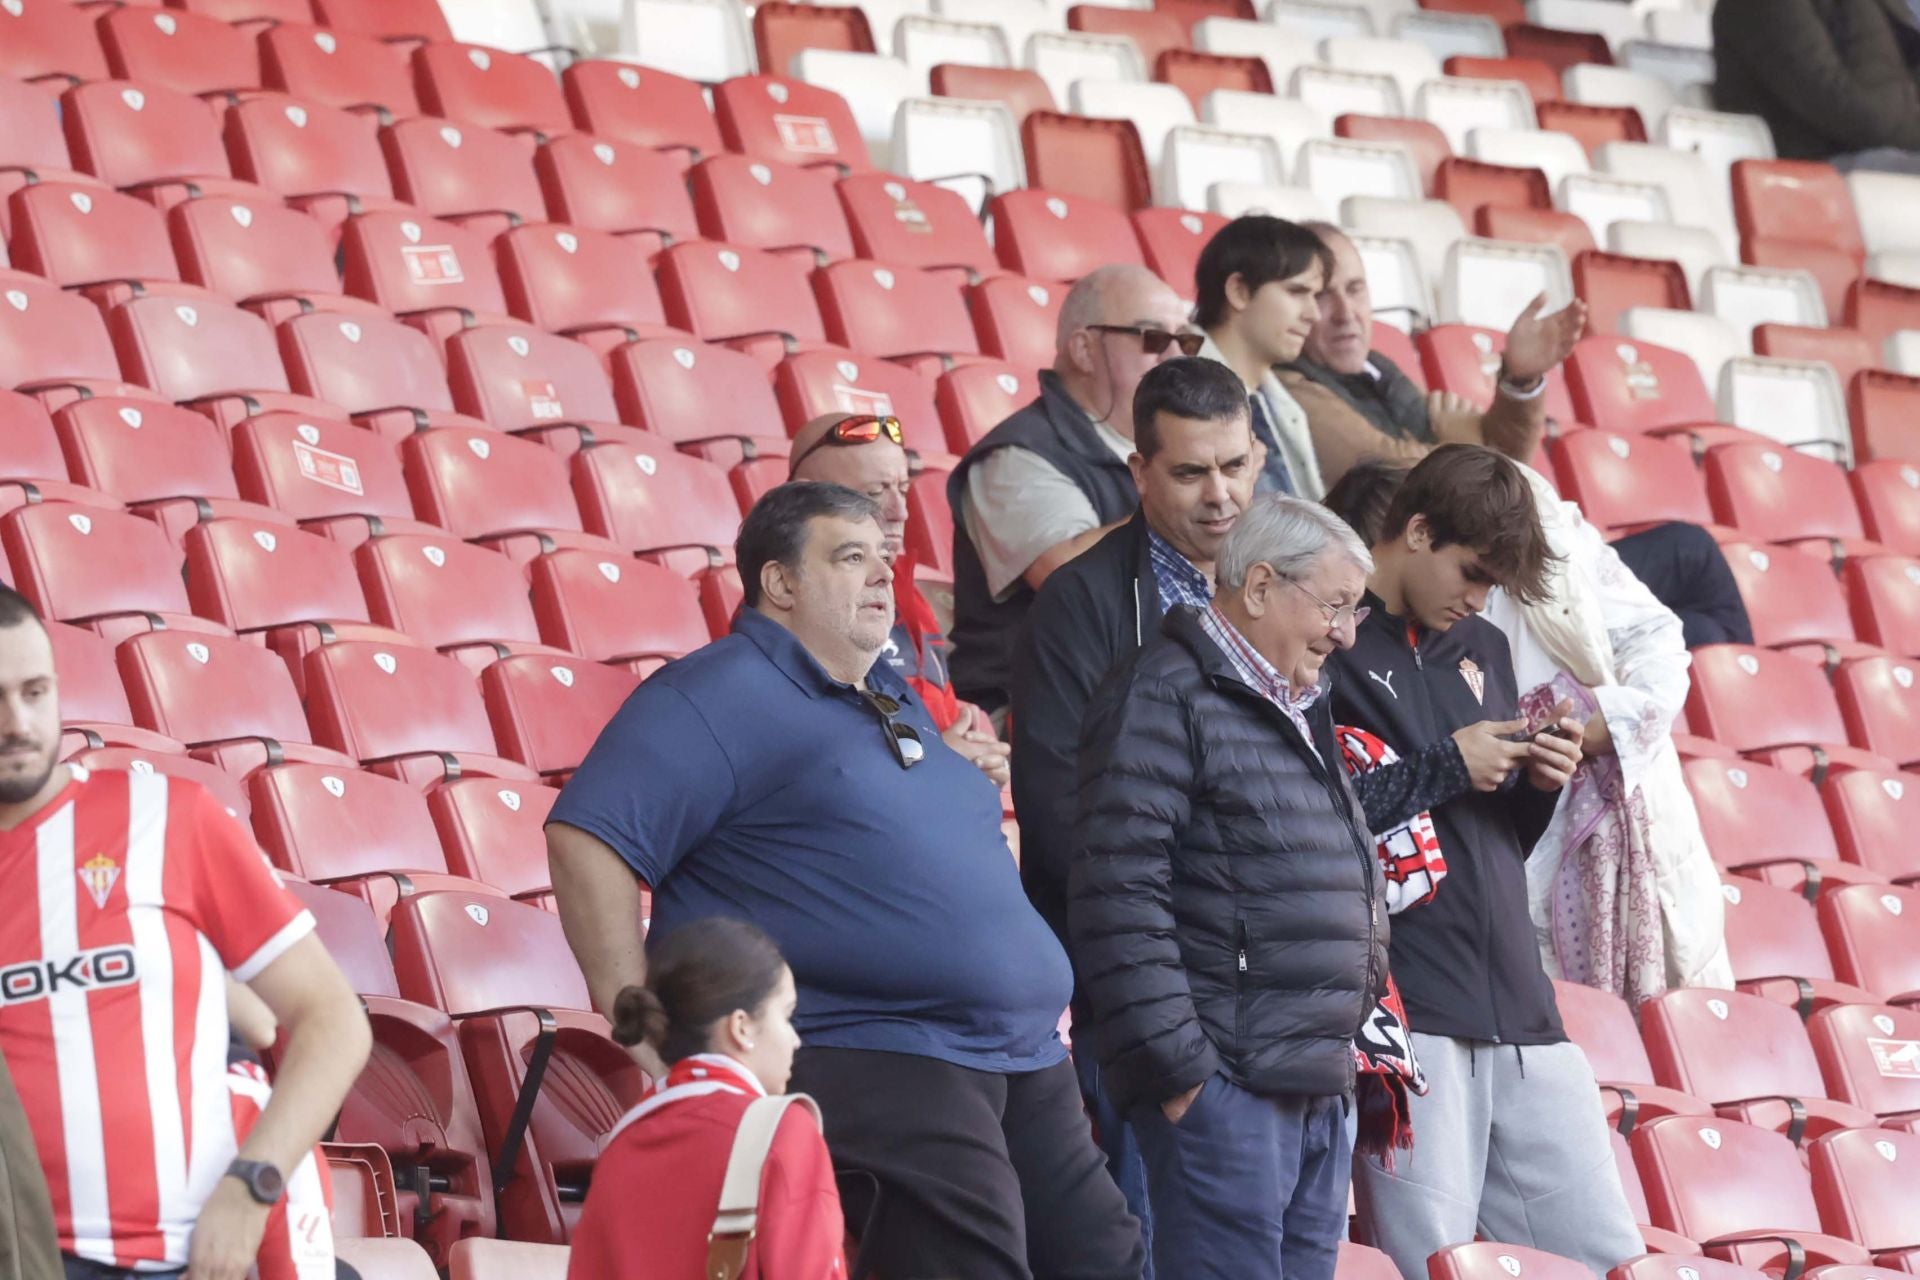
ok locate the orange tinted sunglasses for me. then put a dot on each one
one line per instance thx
(862, 428)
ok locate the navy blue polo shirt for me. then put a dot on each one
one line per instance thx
(744, 781)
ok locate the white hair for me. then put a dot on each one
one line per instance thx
(1290, 534)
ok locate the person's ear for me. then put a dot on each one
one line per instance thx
(1080, 350)
(740, 1030)
(1138, 466)
(776, 585)
(1418, 536)
(1239, 296)
(1256, 593)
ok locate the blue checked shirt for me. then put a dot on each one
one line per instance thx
(1259, 673)
(1178, 580)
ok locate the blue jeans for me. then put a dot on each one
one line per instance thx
(1124, 1161)
(1248, 1186)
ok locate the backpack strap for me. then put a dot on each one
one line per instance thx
(739, 1217)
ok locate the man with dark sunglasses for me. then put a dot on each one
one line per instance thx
(866, 454)
(787, 776)
(1051, 480)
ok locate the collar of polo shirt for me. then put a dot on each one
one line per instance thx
(784, 650)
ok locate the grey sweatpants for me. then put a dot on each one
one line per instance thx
(1511, 1142)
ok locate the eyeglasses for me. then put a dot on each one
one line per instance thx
(1338, 616)
(902, 739)
(862, 428)
(1155, 341)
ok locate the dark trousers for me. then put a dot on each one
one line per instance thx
(1247, 1186)
(980, 1176)
(1125, 1164)
(1682, 565)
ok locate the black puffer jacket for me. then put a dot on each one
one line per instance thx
(1226, 910)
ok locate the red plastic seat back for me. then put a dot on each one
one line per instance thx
(325, 823)
(1619, 384)
(780, 30)
(1080, 156)
(1017, 319)
(1884, 408)
(1776, 494)
(249, 575)
(405, 262)
(1151, 31)
(478, 1258)
(79, 233)
(659, 502)
(1602, 1025)
(1486, 1261)
(547, 711)
(474, 483)
(1771, 932)
(451, 170)
(29, 448)
(30, 119)
(1884, 593)
(610, 609)
(818, 382)
(504, 955)
(1860, 1195)
(1874, 814)
(690, 391)
(1847, 350)
(1199, 74)
(125, 134)
(492, 831)
(1171, 241)
(184, 349)
(295, 147)
(363, 363)
(722, 292)
(225, 787)
(1542, 82)
(1868, 1057)
(1534, 226)
(1677, 1266)
(354, 939)
(1878, 308)
(893, 312)
(913, 224)
(973, 399)
(379, 701)
(391, 20)
(762, 204)
(1726, 1046)
(515, 376)
(335, 67)
(1753, 812)
(1870, 934)
(1707, 1177)
(1881, 706)
(48, 39)
(1059, 238)
(185, 52)
(1023, 91)
(75, 563)
(1611, 283)
(1558, 49)
(47, 334)
(1750, 699)
(1424, 140)
(1791, 598)
(208, 688)
(488, 87)
(562, 279)
(593, 184)
(443, 592)
(1625, 480)
(1469, 184)
(1363, 1262)
(771, 117)
(649, 108)
(312, 469)
(1796, 200)
(1591, 125)
(143, 451)
(245, 249)
(1888, 496)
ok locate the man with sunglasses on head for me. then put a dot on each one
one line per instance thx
(867, 454)
(787, 776)
(1226, 907)
(1052, 480)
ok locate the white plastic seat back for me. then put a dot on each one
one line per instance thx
(1618, 87)
(1889, 208)
(705, 40)
(1895, 266)
(1690, 27)
(1317, 22)
(1335, 168)
(1797, 402)
(1017, 19)
(1614, 19)
(1903, 352)
(1430, 226)
(1061, 57)
(951, 140)
(1396, 282)
(1386, 12)
(1410, 65)
(591, 26)
(884, 18)
(1449, 35)
(1295, 204)
(873, 86)
(1458, 105)
(1553, 153)
(1199, 156)
(1489, 282)
(1681, 66)
(1287, 121)
(1719, 137)
(1748, 296)
(923, 43)
(1331, 93)
(1282, 50)
(1600, 201)
(1155, 109)
(1710, 340)
(1696, 249)
(1694, 197)
(514, 25)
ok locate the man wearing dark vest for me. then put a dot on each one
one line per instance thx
(1051, 480)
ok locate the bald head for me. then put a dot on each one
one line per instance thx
(1099, 366)
(1342, 338)
(1115, 294)
(877, 468)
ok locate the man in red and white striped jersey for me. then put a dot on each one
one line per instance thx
(132, 896)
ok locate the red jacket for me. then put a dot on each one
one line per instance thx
(656, 1187)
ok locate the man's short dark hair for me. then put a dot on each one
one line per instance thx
(1362, 496)
(1259, 249)
(1475, 497)
(775, 531)
(1186, 387)
(16, 608)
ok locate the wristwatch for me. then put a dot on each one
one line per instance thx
(264, 1182)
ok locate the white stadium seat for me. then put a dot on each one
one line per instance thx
(1061, 57)
(873, 85)
(1690, 27)
(1459, 105)
(1295, 204)
(1431, 226)
(971, 147)
(1903, 352)
(1332, 93)
(1695, 198)
(1489, 282)
(514, 25)
(923, 43)
(1614, 19)
(1600, 201)
(705, 40)
(1335, 168)
(1695, 248)
(1283, 51)
(1199, 156)
(1317, 22)
(1798, 402)
(1748, 296)
(1155, 109)
(1449, 35)
(1888, 205)
(1618, 87)
(1018, 19)
(1710, 340)
(1554, 153)
(1396, 282)
(1681, 66)
(1410, 65)
(1895, 266)
(1719, 137)
(1287, 121)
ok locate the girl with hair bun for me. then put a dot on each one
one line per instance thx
(717, 1005)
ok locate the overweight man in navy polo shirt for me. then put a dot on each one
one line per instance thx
(785, 776)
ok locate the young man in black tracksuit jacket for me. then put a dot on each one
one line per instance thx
(1510, 1140)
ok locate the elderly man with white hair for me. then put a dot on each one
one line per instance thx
(1226, 910)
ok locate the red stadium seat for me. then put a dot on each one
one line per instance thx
(1888, 495)
(1199, 74)
(47, 41)
(1794, 602)
(1542, 82)
(107, 569)
(1059, 238)
(437, 275)
(1171, 241)
(929, 535)
(93, 704)
(488, 487)
(1774, 943)
(1736, 1188)
(1398, 347)
(335, 478)
(394, 21)
(643, 106)
(973, 399)
(770, 117)
(503, 970)
(413, 1098)
(1860, 1200)
(373, 1257)
(1873, 822)
(1094, 159)
(403, 711)
(353, 831)
(1796, 201)
(243, 13)
(1363, 1262)
(50, 338)
(337, 68)
(762, 204)
(1592, 126)
(1885, 408)
(591, 286)
(274, 260)
(1623, 385)
(1765, 822)
(32, 146)
(522, 379)
(490, 88)
(1487, 1261)
(1423, 141)
(1833, 269)
(1016, 319)
(1466, 360)
(1748, 1056)
(1753, 699)
(139, 136)
(713, 401)
(1535, 226)
(1884, 594)
(463, 173)
(1602, 1025)
(1870, 933)
(466, 601)
(780, 30)
(1621, 481)
(616, 609)
(1774, 494)
(492, 833)
(1022, 91)
(326, 161)
(31, 466)
(595, 185)
(751, 299)
(231, 699)
(1558, 49)
(914, 317)
(914, 224)
(1847, 350)
(185, 52)
(1469, 184)
(196, 350)
(656, 501)
(1658, 1242)
(81, 234)
(1867, 1055)
(547, 710)
(226, 788)
(818, 382)
(1881, 707)
(383, 373)
(1150, 31)
(478, 1259)
(1666, 1266)
(1611, 283)
(1879, 308)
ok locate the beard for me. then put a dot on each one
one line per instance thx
(15, 788)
